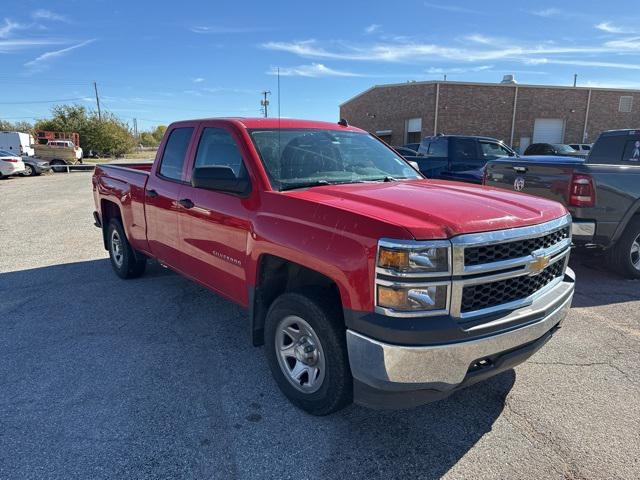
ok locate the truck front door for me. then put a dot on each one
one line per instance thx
(214, 226)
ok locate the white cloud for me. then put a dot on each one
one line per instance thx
(625, 44)
(198, 80)
(457, 70)
(22, 44)
(548, 12)
(451, 8)
(219, 30)
(313, 70)
(586, 63)
(48, 56)
(412, 51)
(43, 14)
(374, 27)
(9, 27)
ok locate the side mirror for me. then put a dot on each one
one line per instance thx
(221, 179)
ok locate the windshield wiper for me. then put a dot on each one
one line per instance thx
(317, 183)
(293, 186)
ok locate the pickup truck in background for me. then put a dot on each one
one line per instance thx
(457, 157)
(363, 280)
(602, 192)
(58, 148)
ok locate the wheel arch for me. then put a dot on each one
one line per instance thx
(108, 210)
(631, 213)
(275, 276)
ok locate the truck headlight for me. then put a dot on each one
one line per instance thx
(414, 256)
(407, 299)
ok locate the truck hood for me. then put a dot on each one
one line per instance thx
(431, 209)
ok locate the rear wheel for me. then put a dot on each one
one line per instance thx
(305, 343)
(125, 261)
(58, 166)
(625, 255)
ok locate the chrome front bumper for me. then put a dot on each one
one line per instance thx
(442, 368)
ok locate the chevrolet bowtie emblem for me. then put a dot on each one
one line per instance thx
(538, 264)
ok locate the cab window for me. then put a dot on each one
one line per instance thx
(217, 148)
(492, 150)
(175, 151)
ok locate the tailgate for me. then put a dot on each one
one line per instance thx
(548, 178)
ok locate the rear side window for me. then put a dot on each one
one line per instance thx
(217, 148)
(632, 151)
(438, 149)
(175, 152)
(610, 149)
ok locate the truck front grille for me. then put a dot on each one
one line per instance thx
(486, 295)
(501, 270)
(510, 250)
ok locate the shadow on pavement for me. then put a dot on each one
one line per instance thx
(597, 285)
(156, 377)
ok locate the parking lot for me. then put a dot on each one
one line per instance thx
(156, 377)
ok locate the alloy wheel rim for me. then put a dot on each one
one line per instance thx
(300, 354)
(116, 248)
(634, 254)
(27, 170)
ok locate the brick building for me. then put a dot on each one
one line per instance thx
(517, 114)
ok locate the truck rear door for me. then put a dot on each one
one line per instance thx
(547, 177)
(433, 157)
(162, 193)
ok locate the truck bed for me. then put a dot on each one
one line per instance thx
(123, 185)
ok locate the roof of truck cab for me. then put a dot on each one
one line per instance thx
(275, 123)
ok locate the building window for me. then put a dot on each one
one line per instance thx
(414, 130)
(626, 103)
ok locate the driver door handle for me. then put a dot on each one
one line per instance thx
(186, 203)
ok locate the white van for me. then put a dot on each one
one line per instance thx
(18, 143)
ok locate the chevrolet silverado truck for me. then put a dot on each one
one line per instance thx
(363, 280)
(602, 192)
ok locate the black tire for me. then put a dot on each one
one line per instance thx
(125, 261)
(58, 166)
(622, 255)
(29, 171)
(322, 313)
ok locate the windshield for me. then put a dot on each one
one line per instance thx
(296, 158)
(564, 148)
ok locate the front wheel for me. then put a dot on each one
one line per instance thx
(124, 260)
(625, 255)
(305, 343)
(29, 171)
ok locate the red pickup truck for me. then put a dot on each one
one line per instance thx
(363, 280)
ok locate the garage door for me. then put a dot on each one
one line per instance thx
(548, 130)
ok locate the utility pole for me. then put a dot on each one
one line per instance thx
(95, 87)
(575, 79)
(265, 103)
(135, 130)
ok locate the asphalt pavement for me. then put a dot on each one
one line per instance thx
(156, 378)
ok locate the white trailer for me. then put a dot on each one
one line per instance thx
(18, 143)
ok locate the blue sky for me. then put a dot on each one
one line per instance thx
(191, 59)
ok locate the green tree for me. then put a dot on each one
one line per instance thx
(153, 137)
(108, 135)
(20, 126)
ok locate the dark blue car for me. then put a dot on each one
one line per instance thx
(457, 157)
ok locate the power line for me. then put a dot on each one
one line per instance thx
(43, 101)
